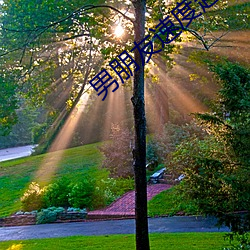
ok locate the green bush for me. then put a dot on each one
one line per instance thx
(123, 185)
(242, 241)
(33, 198)
(81, 194)
(103, 194)
(57, 193)
(152, 155)
(109, 189)
(48, 215)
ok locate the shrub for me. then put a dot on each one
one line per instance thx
(48, 215)
(109, 189)
(103, 194)
(81, 194)
(57, 193)
(243, 242)
(152, 155)
(123, 185)
(33, 197)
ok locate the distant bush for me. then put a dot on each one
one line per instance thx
(33, 197)
(38, 131)
(57, 193)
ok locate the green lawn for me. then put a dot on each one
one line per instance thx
(171, 241)
(16, 175)
(169, 202)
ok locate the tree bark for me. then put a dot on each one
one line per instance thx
(139, 151)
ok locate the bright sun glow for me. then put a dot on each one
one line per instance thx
(119, 30)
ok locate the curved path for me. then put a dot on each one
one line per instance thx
(17, 152)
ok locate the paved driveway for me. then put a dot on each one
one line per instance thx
(14, 153)
(156, 225)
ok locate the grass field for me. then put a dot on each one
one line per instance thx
(16, 175)
(173, 241)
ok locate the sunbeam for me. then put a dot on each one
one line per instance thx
(51, 161)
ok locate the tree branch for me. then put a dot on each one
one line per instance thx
(201, 38)
(42, 29)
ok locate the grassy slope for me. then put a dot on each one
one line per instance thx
(173, 241)
(169, 203)
(16, 175)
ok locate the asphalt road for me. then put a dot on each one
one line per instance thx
(14, 153)
(156, 225)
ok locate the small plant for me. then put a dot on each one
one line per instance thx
(33, 197)
(76, 210)
(243, 242)
(48, 215)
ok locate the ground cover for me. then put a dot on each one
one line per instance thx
(170, 241)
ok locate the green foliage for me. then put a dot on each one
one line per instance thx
(103, 193)
(108, 190)
(48, 215)
(216, 168)
(38, 131)
(91, 193)
(81, 194)
(118, 153)
(57, 193)
(8, 105)
(242, 241)
(235, 17)
(21, 132)
(32, 198)
(205, 175)
(152, 156)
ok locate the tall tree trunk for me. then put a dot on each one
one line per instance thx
(139, 152)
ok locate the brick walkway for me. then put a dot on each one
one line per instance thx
(124, 207)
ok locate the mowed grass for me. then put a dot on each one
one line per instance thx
(16, 175)
(170, 241)
(169, 202)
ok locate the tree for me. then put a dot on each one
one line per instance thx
(118, 156)
(139, 151)
(8, 104)
(217, 168)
